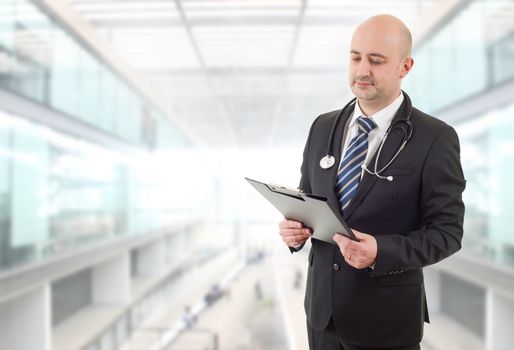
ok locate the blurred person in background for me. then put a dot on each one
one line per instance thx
(188, 318)
(396, 178)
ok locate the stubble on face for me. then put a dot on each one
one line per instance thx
(365, 88)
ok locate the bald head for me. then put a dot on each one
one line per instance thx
(392, 30)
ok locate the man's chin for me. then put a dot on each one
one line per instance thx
(362, 94)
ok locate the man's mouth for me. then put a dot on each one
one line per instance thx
(363, 83)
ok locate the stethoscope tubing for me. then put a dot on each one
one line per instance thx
(327, 161)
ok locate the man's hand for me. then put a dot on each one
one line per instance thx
(293, 232)
(358, 254)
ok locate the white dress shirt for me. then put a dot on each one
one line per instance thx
(383, 120)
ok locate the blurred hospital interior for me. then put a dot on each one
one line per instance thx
(127, 128)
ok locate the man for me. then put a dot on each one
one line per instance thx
(408, 214)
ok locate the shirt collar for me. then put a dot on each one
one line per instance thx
(382, 118)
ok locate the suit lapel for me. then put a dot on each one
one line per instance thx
(393, 142)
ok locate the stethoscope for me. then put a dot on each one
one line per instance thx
(403, 124)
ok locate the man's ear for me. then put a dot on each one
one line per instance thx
(407, 64)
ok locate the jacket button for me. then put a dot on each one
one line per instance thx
(335, 267)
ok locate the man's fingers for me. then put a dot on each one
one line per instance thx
(292, 242)
(349, 248)
(290, 224)
(360, 235)
(293, 232)
(359, 254)
(296, 243)
(341, 240)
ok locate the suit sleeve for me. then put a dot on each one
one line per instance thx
(305, 182)
(442, 213)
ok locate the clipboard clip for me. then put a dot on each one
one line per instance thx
(286, 191)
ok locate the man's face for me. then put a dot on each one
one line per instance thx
(376, 66)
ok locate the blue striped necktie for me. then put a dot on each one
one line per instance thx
(350, 168)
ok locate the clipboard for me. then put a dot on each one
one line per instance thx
(313, 211)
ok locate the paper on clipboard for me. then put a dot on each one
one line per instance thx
(313, 211)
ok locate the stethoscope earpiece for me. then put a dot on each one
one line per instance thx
(388, 178)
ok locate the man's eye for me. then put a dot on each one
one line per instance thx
(375, 62)
(356, 58)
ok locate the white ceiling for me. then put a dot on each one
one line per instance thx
(242, 73)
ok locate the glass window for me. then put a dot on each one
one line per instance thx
(470, 73)
(442, 59)
(108, 106)
(133, 120)
(129, 115)
(7, 20)
(123, 116)
(29, 186)
(64, 79)
(470, 53)
(7, 59)
(487, 157)
(41, 60)
(89, 88)
(500, 159)
(502, 55)
(5, 192)
(32, 46)
(59, 192)
(85, 182)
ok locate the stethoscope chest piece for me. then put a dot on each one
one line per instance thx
(327, 162)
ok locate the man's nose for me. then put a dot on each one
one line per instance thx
(363, 68)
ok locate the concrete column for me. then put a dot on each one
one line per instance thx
(25, 322)
(175, 245)
(181, 243)
(151, 258)
(499, 321)
(433, 288)
(170, 247)
(111, 281)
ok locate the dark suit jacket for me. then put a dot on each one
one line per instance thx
(416, 219)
